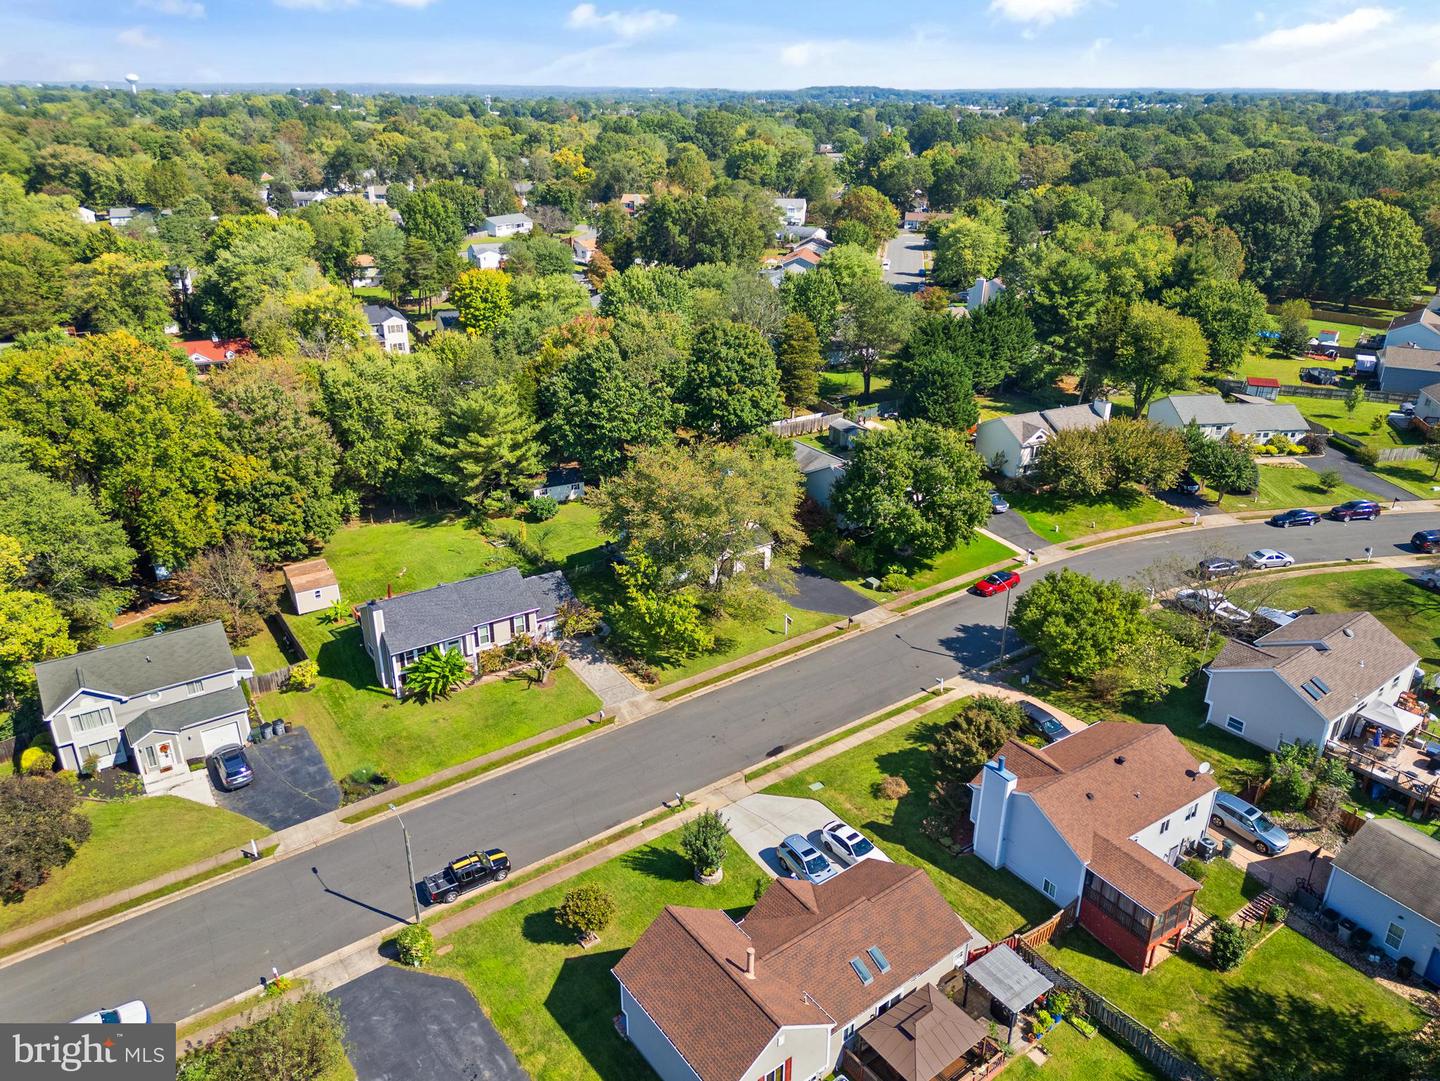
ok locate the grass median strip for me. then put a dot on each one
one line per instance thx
(774, 764)
(470, 774)
(674, 695)
(235, 1009)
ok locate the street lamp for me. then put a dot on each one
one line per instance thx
(409, 863)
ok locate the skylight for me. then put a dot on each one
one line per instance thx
(861, 971)
(879, 958)
(1315, 688)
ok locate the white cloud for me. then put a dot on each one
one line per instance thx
(1340, 31)
(803, 53)
(137, 37)
(1041, 12)
(635, 23)
(316, 5)
(185, 9)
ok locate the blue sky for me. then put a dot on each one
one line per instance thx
(746, 45)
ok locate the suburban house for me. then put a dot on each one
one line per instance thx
(843, 433)
(792, 211)
(120, 216)
(1097, 822)
(1419, 329)
(983, 292)
(1009, 444)
(156, 703)
(1384, 880)
(312, 585)
(485, 256)
(917, 221)
(1404, 369)
(1320, 677)
(777, 995)
(85, 214)
(376, 194)
(207, 353)
(471, 615)
(819, 470)
(388, 327)
(582, 245)
(1217, 418)
(1427, 405)
(364, 273)
(632, 201)
(507, 225)
(302, 199)
(802, 259)
(562, 483)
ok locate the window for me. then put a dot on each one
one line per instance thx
(1165, 826)
(151, 758)
(1394, 935)
(777, 1074)
(1235, 724)
(879, 958)
(482, 634)
(1192, 812)
(194, 687)
(103, 749)
(862, 971)
(1049, 888)
(517, 624)
(849, 1035)
(91, 720)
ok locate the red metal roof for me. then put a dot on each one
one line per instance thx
(1262, 381)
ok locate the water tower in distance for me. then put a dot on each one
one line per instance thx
(133, 80)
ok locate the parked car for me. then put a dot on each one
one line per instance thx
(1249, 822)
(1430, 579)
(1187, 485)
(1325, 377)
(1201, 601)
(804, 860)
(1266, 558)
(1285, 519)
(465, 874)
(1427, 541)
(848, 843)
(998, 505)
(1042, 722)
(230, 768)
(1216, 567)
(998, 582)
(134, 1012)
(1363, 509)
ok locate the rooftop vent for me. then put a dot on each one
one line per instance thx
(1348, 632)
(1119, 759)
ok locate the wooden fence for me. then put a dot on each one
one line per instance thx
(1310, 390)
(265, 682)
(1100, 1010)
(806, 424)
(280, 627)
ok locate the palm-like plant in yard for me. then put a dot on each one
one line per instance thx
(435, 674)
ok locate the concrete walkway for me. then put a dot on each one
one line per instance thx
(609, 683)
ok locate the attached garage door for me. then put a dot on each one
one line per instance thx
(214, 738)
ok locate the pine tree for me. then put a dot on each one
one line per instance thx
(492, 447)
(799, 360)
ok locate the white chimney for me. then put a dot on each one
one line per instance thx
(989, 809)
(1101, 408)
(750, 963)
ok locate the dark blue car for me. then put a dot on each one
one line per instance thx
(1294, 517)
(1357, 509)
(230, 768)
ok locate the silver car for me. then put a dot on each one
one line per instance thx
(1249, 822)
(804, 860)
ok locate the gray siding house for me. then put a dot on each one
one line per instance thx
(1216, 417)
(1384, 879)
(819, 469)
(1310, 680)
(471, 615)
(155, 703)
(1010, 444)
(562, 483)
(1405, 369)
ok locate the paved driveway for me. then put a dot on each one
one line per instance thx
(907, 261)
(1011, 526)
(816, 593)
(402, 1025)
(292, 783)
(1355, 473)
(758, 823)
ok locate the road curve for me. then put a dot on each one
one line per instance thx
(200, 950)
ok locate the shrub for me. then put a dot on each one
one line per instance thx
(1329, 480)
(895, 583)
(1043, 1021)
(302, 676)
(1196, 869)
(703, 842)
(893, 788)
(415, 946)
(542, 508)
(1366, 455)
(36, 760)
(90, 765)
(278, 986)
(586, 910)
(493, 660)
(44, 825)
(1277, 913)
(1228, 945)
(302, 1040)
(1084, 1027)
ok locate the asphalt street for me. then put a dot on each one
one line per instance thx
(907, 261)
(200, 950)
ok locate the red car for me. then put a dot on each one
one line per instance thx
(998, 582)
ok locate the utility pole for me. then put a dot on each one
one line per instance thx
(409, 863)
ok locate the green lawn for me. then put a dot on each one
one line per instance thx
(737, 638)
(356, 723)
(994, 902)
(1010, 402)
(1360, 424)
(262, 649)
(1284, 486)
(958, 562)
(1417, 476)
(1074, 1058)
(1061, 520)
(552, 1001)
(1410, 611)
(1226, 889)
(1289, 1001)
(838, 383)
(132, 842)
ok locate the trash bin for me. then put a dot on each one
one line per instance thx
(279, 727)
(1346, 929)
(1227, 847)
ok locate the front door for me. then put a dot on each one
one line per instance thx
(1432, 969)
(160, 757)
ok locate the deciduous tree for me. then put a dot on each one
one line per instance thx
(1370, 248)
(482, 297)
(732, 385)
(799, 361)
(41, 827)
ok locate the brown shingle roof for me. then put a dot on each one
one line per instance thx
(922, 1034)
(688, 969)
(311, 574)
(1353, 653)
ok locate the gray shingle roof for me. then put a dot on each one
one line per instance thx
(1427, 317)
(1399, 861)
(132, 668)
(810, 460)
(1071, 417)
(507, 219)
(1411, 357)
(1244, 418)
(178, 716)
(443, 612)
(380, 313)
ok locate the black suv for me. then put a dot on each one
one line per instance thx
(1427, 541)
(1357, 509)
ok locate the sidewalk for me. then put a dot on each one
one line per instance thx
(613, 687)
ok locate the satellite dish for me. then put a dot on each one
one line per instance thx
(1204, 767)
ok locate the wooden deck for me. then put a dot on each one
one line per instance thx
(1404, 770)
